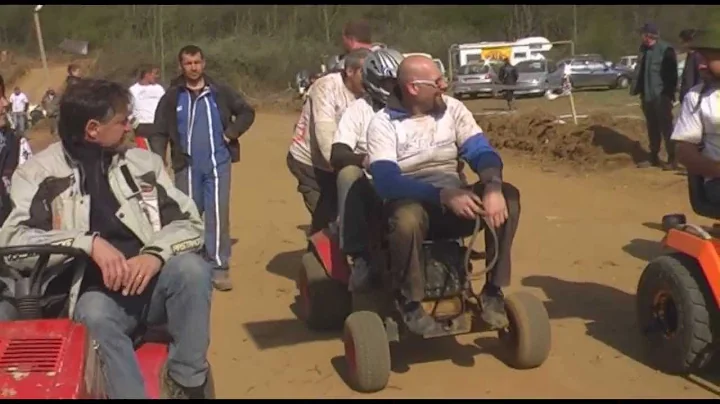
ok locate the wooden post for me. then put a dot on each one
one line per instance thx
(43, 56)
(572, 107)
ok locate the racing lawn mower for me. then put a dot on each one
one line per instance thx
(371, 320)
(44, 358)
(678, 293)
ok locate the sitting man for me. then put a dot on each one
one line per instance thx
(90, 192)
(356, 197)
(413, 146)
(697, 124)
(309, 156)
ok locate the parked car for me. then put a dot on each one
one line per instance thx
(474, 79)
(629, 61)
(591, 73)
(533, 77)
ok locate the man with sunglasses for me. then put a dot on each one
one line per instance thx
(413, 148)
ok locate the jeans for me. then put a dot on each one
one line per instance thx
(19, 119)
(181, 298)
(658, 119)
(358, 206)
(411, 223)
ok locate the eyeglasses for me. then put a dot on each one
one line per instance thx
(437, 83)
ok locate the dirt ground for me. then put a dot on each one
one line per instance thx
(584, 239)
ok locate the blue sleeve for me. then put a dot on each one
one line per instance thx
(479, 154)
(391, 184)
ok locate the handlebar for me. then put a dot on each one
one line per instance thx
(41, 250)
(29, 281)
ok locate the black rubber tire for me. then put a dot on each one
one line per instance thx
(622, 83)
(688, 348)
(673, 220)
(325, 302)
(529, 337)
(367, 352)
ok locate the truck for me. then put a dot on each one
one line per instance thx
(530, 48)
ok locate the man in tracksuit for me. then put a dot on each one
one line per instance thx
(196, 115)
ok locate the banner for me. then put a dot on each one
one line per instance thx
(496, 53)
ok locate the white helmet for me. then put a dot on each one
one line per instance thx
(380, 65)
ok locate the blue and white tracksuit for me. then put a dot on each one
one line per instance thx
(207, 179)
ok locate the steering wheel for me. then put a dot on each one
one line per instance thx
(29, 281)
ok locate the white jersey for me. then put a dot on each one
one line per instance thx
(145, 101)
(327, 100)
(426, 147)
(352, 129)
(19, 102)
(701, 125)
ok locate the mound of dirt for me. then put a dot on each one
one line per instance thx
(598, 141)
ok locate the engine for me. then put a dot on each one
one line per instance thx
(443, 264)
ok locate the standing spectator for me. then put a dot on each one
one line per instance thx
(146, 95)
(50, 103)
(508, 77)
(203, 120)
(4, 103)
(655, 83)
(19, 107)
(73, 74)
(693, 62)
(356, 34)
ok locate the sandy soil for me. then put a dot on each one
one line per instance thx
(585, 236)
(583, 241)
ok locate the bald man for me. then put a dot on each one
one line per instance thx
(413, 147)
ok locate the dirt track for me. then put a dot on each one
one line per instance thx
(584, 238)
(582, 244)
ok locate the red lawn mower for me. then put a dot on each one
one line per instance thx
(44, 358)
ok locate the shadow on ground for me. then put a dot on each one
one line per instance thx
(286, 264)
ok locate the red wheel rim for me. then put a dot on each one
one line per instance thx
(350, 354)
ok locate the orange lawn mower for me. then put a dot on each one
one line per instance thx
(678, 294)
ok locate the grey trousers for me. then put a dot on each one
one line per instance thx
(358, 205)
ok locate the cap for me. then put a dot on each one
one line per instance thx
(649, 28)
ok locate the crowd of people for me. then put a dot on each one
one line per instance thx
(377, 139)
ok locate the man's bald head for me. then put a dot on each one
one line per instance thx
(422, 85)
(417, 68)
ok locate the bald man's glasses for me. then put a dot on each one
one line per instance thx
(437, 83)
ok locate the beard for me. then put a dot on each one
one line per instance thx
(439, 106)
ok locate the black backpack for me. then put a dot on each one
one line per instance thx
(9, 157)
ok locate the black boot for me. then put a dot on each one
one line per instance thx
(492, 303)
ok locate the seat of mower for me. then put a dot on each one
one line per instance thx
(698, 198)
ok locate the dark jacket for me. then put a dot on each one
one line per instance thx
(237, 117)
(656, 72)
(690, 74)
(508, 74)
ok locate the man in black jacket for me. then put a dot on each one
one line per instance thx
(202, 120)
(691, 72)
(508, 76)
(656, 82)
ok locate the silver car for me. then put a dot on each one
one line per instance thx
(473, 80)
(533, 77)
(591, 73)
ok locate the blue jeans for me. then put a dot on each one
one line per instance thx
(181, 298)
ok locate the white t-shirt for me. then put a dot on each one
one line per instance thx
(703, 125)
(352, 129)
(18, 101)
(145, 101)
(327, 99)
(425, 148)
